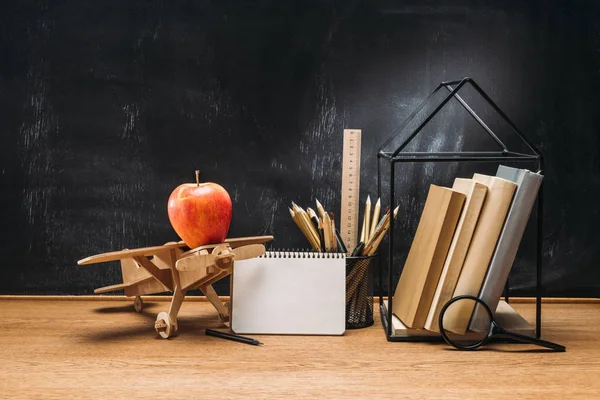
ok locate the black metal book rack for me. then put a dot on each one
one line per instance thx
(395, 150)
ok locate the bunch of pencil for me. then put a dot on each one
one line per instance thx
(359, 304)
(373, 229)
(318, 228)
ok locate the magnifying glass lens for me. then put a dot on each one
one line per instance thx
(465, 323)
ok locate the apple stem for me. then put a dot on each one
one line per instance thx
(197, 177)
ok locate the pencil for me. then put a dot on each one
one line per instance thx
(362, 232)
(382, 221)
(372, 247)
(379, 228)
(367, 226)
(320, 209)
(378, 238)
(296, 220)
(375, 218)
(312, 216)
(306, 220)
(333, 238)
(327, 232)
(341, 242)
(358, 249)
(235, 338)
(305, 226)
(321, 235)
(375, 245)
(318, 226)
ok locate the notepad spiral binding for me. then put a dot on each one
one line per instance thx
(300, 254)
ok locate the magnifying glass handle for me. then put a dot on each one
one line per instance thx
(531, 340)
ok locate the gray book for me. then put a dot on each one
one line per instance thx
(511, 235)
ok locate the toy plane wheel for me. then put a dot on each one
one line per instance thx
(225, 318)
(164, 325)
(138, 304)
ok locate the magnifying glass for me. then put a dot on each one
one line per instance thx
(452, 322)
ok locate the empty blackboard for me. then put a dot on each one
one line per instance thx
(105, 107)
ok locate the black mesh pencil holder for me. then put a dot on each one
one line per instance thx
(359, 292)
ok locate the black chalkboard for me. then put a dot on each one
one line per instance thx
(107, 106)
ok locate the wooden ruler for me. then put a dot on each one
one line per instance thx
(350, 188)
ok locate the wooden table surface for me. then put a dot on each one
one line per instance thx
(100, 349)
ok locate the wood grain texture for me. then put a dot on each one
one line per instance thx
(350, 194)
(194, 298)
(95, 349)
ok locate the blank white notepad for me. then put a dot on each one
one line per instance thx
(298, 293)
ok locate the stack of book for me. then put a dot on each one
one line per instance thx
(465, 244)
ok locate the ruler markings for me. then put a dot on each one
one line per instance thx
(350, 187)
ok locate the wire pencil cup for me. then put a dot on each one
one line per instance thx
(359, 292)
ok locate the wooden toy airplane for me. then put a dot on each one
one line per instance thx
(165, 268)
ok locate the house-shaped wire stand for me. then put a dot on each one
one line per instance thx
(391, 157)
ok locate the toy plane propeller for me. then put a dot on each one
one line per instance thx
(220, 257)
(157, 269)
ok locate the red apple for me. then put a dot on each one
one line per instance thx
(200, 213)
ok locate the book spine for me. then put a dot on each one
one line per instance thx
(444, 241)
(510, 238)
(475, 193)
(481, 249)
(423, 266)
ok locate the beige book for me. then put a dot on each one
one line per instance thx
(510, 238)
(491, 220)
(475, 195)
(423, 266)
(505, 316)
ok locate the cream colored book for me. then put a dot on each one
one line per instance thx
(491, 219)
(516, 221)
(475, 193)
(428, 251)
(505, 316)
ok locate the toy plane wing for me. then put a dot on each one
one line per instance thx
(151, 251)
(125, 286)
(233, 243)
(141, 252)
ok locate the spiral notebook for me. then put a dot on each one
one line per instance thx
(295, 293)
